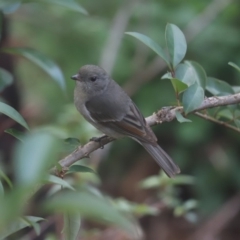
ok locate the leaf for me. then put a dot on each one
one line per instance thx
(6, 179)
(1, 189)
(237, 122)
(88, 205)
(180, 117)
(12, 113)
(42, 61)
(71, 144)
(234, 65)
(187, 206)
(167, 75)
(176, 44)
(72, 141)
(57, 180)
(192, 98)
(80, 168)
(18, 225)
(137, 209)
(70, 4)
(183, 180)
(72, 223)
(225, 113)
(178, 85)
(151, 182)
(33, 224)
(199, 74)
(186, 74)
(236, 89)
(33, 158)
(15, 133)
(6, 79)
(218, 87)
(151, 44)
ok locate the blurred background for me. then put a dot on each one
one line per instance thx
(205, 151)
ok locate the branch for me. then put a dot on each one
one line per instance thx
(117, 29)
(213, 226)
(166, 114)
(209, 118)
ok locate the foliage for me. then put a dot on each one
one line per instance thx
(39, 149)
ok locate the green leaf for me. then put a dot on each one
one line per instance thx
(192, 98)
(186, 74)
(199, 74)
(72, 223)
(151, 182)
(167, 75)
(137, 209)
(237, 122)
(234, 65)
(1, 189)
(6, 79)
(183, 180)
(18, 225)
(72, 141)
(178, 85)
(57, 180)
(12, 113)
(180, 117)
(80, 168)
(33, 224)
(33, 158)
(71, 144)
(176, 44)
(88, 205)
(218, 87)
(151, 44)
(6, 179)
(42, 61)
(225, 113)
(236, 89)
(70, 4)
(15, 133)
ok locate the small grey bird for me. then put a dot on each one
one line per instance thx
(104, 104)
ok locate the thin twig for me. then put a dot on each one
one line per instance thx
(117, 30)
(211, 228)
(209, 118)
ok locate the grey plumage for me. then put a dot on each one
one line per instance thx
(105, 105)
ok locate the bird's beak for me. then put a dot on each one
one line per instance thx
(74, 77)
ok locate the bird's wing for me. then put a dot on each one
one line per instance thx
(120, 114)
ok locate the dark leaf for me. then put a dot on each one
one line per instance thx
(218, 87)
(180, 117)
(192, 98)
(176, 44)
(6, 79)
(72, 223)
(15, 133)
(80, 168)
(150, 43)
(12, 113)
(42, 61)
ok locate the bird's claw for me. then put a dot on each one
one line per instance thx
(99, 140)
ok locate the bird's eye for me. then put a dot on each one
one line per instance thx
(93, 78)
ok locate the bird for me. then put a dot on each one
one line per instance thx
(104, 104)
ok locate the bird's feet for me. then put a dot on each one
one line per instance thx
(99, 140)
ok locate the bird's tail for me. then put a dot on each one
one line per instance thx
(162, 158)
